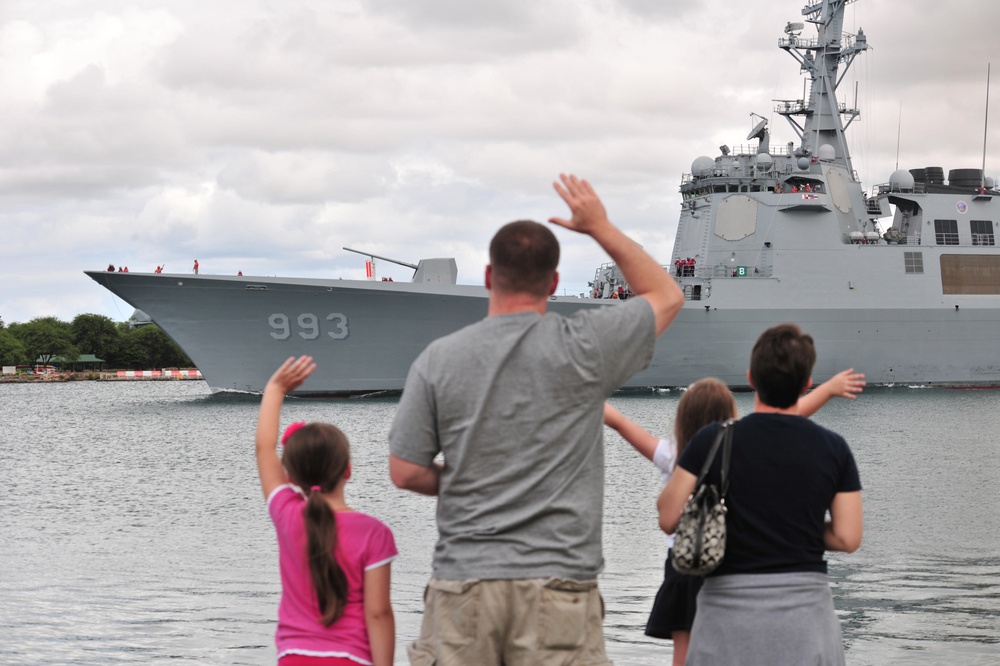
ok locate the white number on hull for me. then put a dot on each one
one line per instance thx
(279, 323)
(308, 326)
(340, 326)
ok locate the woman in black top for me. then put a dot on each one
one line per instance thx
(769, 601)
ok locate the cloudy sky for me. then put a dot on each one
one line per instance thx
(266, 135)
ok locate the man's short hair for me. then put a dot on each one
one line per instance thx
(524, 256)
(781, 365)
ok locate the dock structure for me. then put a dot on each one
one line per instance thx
(120, 375)
(103, 375)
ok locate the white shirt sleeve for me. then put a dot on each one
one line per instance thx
(665, 458)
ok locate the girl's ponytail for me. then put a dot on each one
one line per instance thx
(328, 578)
(316, 457)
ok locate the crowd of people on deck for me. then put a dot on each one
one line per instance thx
(684, 267)
(805, 187)
(518, 475)
(159, 268)
(619, 293)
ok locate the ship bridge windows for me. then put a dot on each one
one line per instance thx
(946, 232)
(913, 262)
(982, 232)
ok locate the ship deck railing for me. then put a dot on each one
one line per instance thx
(921, 187)
(608, 278)
(723, 272)
(791, 107)
(949, 240)
(753, 149)
(912, 239)
(888, 188)
(847, 40)
(744, 175)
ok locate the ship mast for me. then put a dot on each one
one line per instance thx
(820, 58)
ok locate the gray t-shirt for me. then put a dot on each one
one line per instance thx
(515, 404)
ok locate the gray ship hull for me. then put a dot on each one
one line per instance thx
(365, 335)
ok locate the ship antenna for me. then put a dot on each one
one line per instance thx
(986, 122)
(899, 125)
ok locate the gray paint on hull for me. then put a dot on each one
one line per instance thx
(223, 327)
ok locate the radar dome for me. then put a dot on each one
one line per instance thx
(803, 163)
(989, 182)
(827, 152)
(702, 166)
(901, 179)
(764, 162)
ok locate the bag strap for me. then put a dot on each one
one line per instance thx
(725, 432)
(727, 454)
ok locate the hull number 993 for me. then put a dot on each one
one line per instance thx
(308, 326)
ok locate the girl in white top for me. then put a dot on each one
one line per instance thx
(706, 401)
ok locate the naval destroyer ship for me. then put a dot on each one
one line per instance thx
(901, 283)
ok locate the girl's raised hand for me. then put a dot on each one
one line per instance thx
(291, 374)
(846, 384)
(285, 379)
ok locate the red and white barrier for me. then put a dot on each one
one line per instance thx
(159, 373)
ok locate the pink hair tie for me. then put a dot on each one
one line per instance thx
(291, 430)
(315, 489)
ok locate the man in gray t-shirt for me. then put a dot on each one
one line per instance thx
(514, 403)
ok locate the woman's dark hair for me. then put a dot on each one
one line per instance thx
(317, 454)
(524, 256)
(706, 401)
(781, 365)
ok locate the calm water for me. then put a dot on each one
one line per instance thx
(132, 529)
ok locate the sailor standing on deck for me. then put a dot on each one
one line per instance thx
(515, 404)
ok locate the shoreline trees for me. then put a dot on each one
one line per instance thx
(45, 338)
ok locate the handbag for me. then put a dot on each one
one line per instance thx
(700, 538)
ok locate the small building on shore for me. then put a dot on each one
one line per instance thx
(81, 363)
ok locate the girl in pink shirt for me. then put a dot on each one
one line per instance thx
(334, 561)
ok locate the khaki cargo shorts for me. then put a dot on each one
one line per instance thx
(523, 622)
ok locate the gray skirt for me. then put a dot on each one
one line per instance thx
(752, 619)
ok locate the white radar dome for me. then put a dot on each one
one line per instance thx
(764, 162)
(827, 152)
(702, 166)
(989, 182)
(901, 179)
(803, 163)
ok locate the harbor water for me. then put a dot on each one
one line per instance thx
(133, 529)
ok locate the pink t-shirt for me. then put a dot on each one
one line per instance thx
(363, 543)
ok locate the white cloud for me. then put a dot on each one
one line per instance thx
(264, 137)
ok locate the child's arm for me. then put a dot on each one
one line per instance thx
(287, 378)
(844, 384)
(631, 432)
(378, 616)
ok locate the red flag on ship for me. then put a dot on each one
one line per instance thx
(369, 269)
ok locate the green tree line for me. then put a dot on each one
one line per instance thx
(45, 338)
